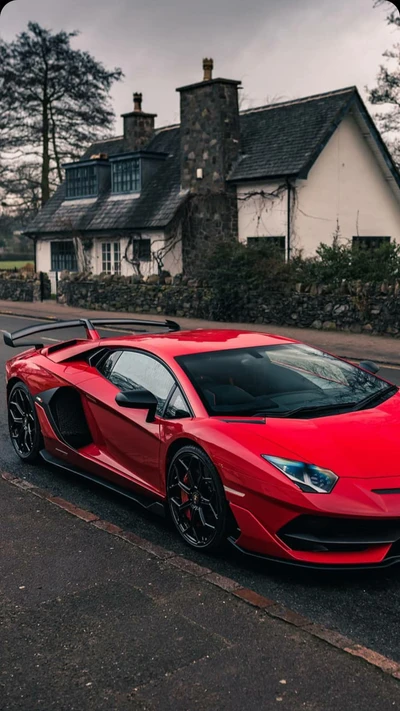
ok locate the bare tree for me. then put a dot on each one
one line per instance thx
(54, 100)
(386, 93)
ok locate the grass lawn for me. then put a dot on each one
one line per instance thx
(13, 265)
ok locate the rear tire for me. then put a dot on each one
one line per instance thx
(23, 423)
(196, 500)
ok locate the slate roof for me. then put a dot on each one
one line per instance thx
(154, 209)
(281, 139)
(277, 141)
(112, 147)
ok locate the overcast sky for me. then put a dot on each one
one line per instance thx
(277, 48)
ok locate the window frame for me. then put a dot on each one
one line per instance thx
(74, 260)
(176, 385)
(111, 244)
(117, 250)
(133, 190)
(276, 241)
(80, 195)
(141, 241)
(357, 241)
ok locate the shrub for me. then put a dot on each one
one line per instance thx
(228, 266)
(334, 264)
(235, 262)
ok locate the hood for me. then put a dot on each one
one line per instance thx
(361, 444)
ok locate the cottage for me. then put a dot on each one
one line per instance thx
(293, 173)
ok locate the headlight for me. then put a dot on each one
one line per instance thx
(308, 477)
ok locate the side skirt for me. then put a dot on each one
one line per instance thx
(155, 507)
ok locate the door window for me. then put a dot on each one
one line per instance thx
(133, 370)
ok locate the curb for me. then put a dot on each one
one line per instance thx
(54, 318)
(246, 595)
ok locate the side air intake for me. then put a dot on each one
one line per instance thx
(68, 415)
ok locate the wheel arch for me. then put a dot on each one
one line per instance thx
(11, 382)
(174, 447)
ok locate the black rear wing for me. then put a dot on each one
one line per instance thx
(89, 325)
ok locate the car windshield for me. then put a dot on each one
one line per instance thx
(280, 381)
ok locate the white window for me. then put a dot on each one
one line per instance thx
(111, 257)
(117, 258)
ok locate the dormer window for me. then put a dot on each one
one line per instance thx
(87, 179)
(126, 176)
(82, 181)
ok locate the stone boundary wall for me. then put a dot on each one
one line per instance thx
(354, 307)
(15, 286)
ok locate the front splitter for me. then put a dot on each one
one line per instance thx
(385, 563)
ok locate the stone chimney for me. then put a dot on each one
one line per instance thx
(210, 131)
(138, 126)
(210, 145)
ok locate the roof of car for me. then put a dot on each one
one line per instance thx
(199, 341)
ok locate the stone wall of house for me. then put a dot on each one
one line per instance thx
(15, 286)
(207, 218)
(354, 307)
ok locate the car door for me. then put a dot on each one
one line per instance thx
(128, 438)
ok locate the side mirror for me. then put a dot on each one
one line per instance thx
(140, 399)
(369, 365)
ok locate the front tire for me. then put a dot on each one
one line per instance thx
(196, 499)
(23, 423)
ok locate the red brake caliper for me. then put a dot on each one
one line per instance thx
(185, 497)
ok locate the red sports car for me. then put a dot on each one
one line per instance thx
(284, 450)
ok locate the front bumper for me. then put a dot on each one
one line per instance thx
(357, 525)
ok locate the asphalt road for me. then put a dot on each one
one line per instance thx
(362, 605)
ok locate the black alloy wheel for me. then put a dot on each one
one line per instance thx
(196, 499)
(23, 423)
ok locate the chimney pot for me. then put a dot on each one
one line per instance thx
(208, 66)
(137, 102)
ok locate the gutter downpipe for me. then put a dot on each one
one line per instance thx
(289, 218)
(34, 254)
